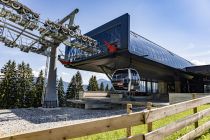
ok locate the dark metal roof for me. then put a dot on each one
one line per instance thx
(143, 47)
(204, 69)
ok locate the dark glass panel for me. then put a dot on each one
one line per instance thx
(141, 46)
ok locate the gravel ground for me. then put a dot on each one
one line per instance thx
(13, 121)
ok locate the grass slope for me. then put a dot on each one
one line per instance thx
(117, 134)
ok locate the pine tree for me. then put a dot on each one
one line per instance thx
(61, 94)
(79, 86)
(107, 88)
(102, 86)
(71, 90)
(93, 84)
(17, 87)
(90, 84)
(25, 86)
(39, 85)
(21, 85)
(8, 86)
(74, 87)
(30, 95)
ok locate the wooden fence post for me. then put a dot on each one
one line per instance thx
(195, 110)
(129, 110)
(149, 125)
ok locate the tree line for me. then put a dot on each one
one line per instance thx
(20, 89)
(75, 88)
(93, 85)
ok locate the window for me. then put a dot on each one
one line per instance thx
(154, 87)
(149, 87)
(142, 86)
(206, 88)
(120, 75)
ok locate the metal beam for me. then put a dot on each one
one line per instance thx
(103, 69)
(69, 16)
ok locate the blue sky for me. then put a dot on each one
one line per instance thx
(181, 26)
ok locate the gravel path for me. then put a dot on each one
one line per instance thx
(14, 121)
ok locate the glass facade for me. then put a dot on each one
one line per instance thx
(143, 47)
(112, 35)
(154, 87)
(206, 88)
(148, 86)
(143, 86)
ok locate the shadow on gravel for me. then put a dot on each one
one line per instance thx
(41, 115)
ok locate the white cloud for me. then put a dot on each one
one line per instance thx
(42, 68)
(198, 62)
(35, 73)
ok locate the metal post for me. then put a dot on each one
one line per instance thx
(129, 110)
(50, 99)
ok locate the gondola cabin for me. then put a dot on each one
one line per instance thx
(126, 80)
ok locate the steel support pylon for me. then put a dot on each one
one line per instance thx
(51, 98)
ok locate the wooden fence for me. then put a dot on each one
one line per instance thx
(131, 119)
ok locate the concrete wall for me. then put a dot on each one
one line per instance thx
(90, 94)
(180, 97)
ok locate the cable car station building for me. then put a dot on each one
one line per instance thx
(161, 71)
